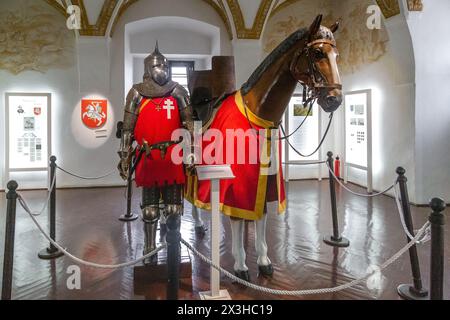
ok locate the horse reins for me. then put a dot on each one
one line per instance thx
(318, 79)
(318, 83)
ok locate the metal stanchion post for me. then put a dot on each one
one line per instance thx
(173, 238)
(408, 291)
(8, 261)
(335, 240)
(52, 252)
(437, 220)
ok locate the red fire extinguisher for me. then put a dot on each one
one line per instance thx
(337, 167)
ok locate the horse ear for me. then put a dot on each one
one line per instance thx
(334, 27)
(315, 26)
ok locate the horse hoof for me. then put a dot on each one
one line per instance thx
(200, 231)
(243, 275)
(266, 271)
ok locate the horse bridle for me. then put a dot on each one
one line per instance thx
(318, 80)
(311, 90)
(310, 93)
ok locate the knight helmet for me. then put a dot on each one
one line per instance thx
(157, 67)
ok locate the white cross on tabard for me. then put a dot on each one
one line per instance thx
(168, 105)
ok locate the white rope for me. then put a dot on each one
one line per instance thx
(394, 258)
(86, 178)
(303, 163)
(359, 194)
(38, 213)
(81, 261)
(427, 235)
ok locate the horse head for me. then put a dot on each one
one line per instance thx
(315, 66)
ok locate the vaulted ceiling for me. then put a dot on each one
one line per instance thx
(244, 19)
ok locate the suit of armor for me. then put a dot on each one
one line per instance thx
(153, 110)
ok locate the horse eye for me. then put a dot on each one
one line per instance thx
(319, 54)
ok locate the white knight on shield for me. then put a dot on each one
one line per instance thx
(95, 112)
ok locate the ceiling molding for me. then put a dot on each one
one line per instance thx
(125, 5)
(98, 29)
(415, 5)
(220, 9)
(55, 4)
(255, 32)
(279, 6)
(107, 18)
(389, 8)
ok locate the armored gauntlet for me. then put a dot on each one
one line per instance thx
(127, 138)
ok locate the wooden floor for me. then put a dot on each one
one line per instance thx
(87, 225)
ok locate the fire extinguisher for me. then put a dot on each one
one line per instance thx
(337, 167)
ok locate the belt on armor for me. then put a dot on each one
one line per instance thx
(147, 149)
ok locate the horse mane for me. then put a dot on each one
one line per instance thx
(282, 48)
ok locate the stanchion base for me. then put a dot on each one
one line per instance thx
(340, 243)
(128, 218)
(47, 254)
(223, 295)
(407, 292)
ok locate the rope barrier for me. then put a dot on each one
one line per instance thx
(86, 178)
(359, 194)
(38, 213)
(422, 236)
(303, 163)
(78, 260)
(390, 261)
(426, 237)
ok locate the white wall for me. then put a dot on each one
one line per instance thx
(121, 54)
(392, 82)
(391, 78)
(416, 139)
(75, 146)
(429, 30)
(97, 71)
(179, 38)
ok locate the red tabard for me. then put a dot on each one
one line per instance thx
(157, 120)
(244, 196)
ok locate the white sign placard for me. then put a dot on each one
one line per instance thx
(356, 129)
(306, 139)
(358, 132)
(28, 127)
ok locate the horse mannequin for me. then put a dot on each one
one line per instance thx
(308, 56)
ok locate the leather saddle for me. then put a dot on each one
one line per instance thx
(209, 88)
(205, 106)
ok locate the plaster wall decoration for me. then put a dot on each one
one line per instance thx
(33, 36)
(100, 27)
(357, 44)
(58, 6)
(415, 5)
(258, 24)
(219, 7)
(124, 6)
(389, 8)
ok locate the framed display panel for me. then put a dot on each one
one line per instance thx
(28, 132)
(358, 133)
(307, 138)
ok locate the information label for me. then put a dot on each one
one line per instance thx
(356, 129)
(306, 139)
(28, 127)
